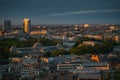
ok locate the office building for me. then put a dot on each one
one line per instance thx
(26, 25)
(6, 25)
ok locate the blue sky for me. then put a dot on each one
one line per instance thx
(61, 11)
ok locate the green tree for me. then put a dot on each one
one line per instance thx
(59, 52)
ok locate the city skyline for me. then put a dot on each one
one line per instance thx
(61, 11)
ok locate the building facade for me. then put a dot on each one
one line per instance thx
(26, 25)
(6, 25)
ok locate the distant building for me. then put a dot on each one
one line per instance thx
(112, 27)
(68, 44)
(26, 25)
(116, 49)
(48, 49)
(6, 25)
(98, 37)
(95, 58)
(78, 66)
(92, 43)
(43, 32)
(89, 76)
(34, 50)
(117, 38)
(86, 25)
(18, 32)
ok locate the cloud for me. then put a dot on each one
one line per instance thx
(85, 12)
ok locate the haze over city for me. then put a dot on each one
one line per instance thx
(61, 11)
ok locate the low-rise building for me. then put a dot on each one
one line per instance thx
(84, 65)
(48, 49)
(92, 43)
(117, 38)
(35, 49)
(68, 44)
(116, 49)
(89, 76)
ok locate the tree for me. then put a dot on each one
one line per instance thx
(59, 52)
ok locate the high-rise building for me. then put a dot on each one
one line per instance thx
(26, 25)
(6, 25)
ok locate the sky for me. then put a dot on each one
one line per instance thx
(61, 11)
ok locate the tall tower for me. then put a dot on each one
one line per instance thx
(6, 25)
(26, 25)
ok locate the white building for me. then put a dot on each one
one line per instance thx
(89, 66)
(68, 44)
(29, 60)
